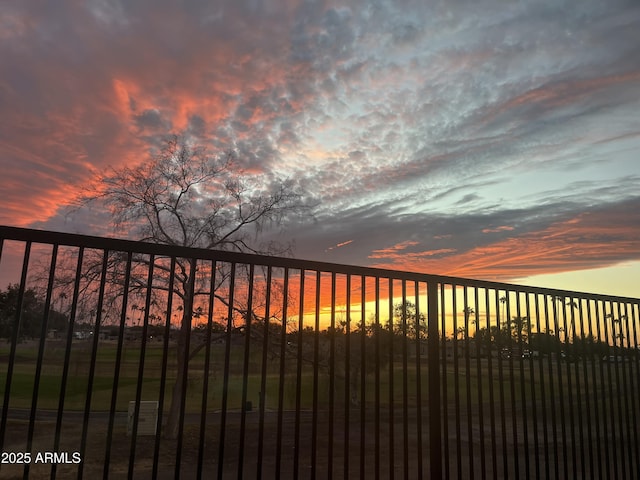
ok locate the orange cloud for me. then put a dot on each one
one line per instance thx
(98, 126)
(412, 255)
(342, 244)
(397, 252)
(385, 252)
(590, 240)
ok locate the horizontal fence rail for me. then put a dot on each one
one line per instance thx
(124, 358)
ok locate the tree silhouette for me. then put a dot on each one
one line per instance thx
(185, 197)
(468, 311)
(416, 324)
(570, 333)
(520, 327)
(574, 306)
(31, 315)
(559, 300)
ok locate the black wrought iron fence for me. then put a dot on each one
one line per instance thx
(129, 359)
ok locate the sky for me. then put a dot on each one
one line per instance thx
(496, 140)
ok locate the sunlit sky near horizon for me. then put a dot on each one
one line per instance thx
(494, 140)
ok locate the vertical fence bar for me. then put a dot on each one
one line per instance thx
(14, 342)
(552, 401)
(563, 426)
(245, 370)
(456, 379)
(347, 380)
(67, 355)
(594, 397)
(617, 399)
(612, 420)
(542, 351)
(185, 330)
(574, 358)
(435, 433)
(405, 384)
(363, 375)
(165, 354)
(378, 332)
(316, 356)
(263, 373)
(512, 392)
(419, 328)
(332, 374)
(296, 448)
(492, 400)
(207, 369)
(587, 356)
(520, 324)
(444, 361)
(281, 380)
(501, 349)
(92, 367)
(225, 380)
(391, 385)
(479, 355)
(627, 381)
(570, 387)
(140, 379)
(467, 311)
(603, 389)
(620, 386)
(633, 375)
(41, 343)
(118, 359)
(532, 384)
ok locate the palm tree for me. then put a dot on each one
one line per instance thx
(573, 306)
(616, 321)
(520, 328)
(468, 311)
(559, 299)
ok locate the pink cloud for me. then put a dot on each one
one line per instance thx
(589, 240)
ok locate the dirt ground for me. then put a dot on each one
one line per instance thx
(468, 449)
(94, 454)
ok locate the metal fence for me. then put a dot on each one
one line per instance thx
(149, 361)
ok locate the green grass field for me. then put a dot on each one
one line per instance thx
(474, 378)
(569, 392)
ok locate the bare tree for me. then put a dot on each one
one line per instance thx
(186, 197)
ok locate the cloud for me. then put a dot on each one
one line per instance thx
(410, 256)
(341, 244)
(458, 134)
(501, 228)
(598, 237)
(111, 91)
(395, 251)
(499, 245)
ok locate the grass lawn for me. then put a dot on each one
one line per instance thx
(575, 394)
